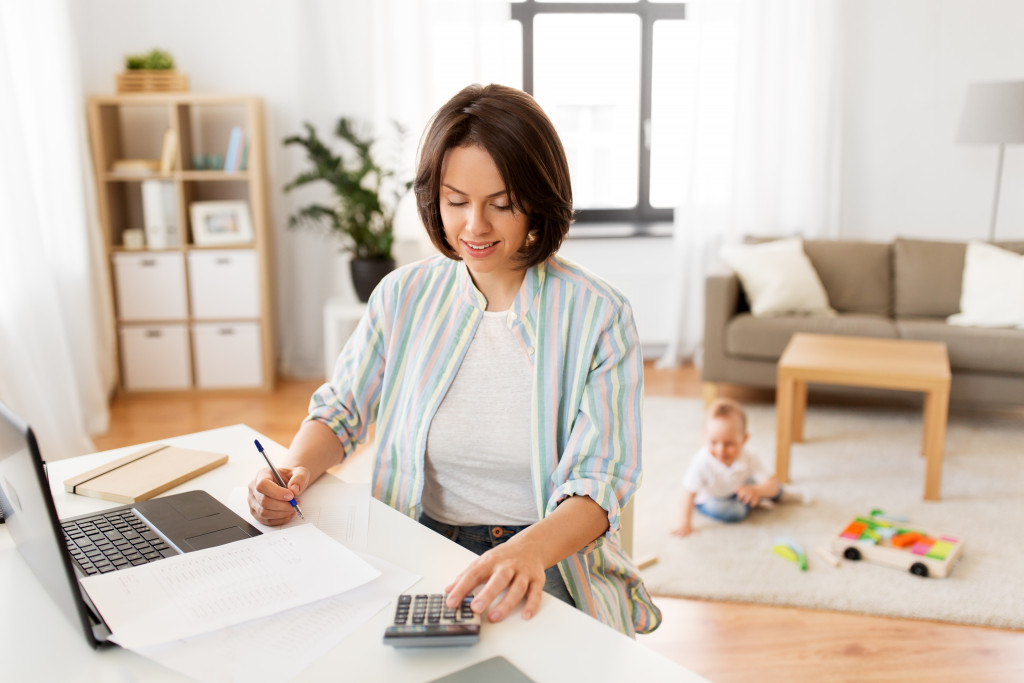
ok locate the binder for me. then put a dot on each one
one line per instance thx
(144, 474)
(160, 213)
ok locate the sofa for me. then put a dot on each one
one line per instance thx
(903, 289)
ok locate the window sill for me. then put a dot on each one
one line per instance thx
(601, 230)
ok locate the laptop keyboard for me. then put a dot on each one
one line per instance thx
(112, 541)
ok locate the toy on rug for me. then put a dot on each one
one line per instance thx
(892, 541)
(791, 550)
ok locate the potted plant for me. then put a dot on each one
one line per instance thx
(365, 193)
(151, 72)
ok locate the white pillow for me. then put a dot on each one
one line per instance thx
(992, 294)
(778, 278)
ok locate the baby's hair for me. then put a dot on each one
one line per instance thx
(728, 408)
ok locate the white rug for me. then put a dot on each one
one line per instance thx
(854, 459)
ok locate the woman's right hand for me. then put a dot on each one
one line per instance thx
(269, 503)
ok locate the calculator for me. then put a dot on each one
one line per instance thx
(423, 620)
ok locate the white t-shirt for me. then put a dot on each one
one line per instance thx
(710, 478)
(477, 465)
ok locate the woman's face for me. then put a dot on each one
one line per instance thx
(479, 221)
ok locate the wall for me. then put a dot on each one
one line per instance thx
(908, 63)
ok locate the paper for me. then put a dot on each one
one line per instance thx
(339, 509)
(280, 647)
(206, 590)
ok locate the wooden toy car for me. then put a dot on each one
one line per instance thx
(899, 544)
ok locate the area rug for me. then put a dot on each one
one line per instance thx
(855, 459)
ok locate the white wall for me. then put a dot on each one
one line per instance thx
(908, 63)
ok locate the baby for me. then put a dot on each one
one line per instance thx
(724, 481)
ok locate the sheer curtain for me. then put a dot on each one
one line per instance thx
(764, 134)
(56, 357)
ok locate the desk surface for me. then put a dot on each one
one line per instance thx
(546, 648)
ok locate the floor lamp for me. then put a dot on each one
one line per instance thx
(993, 115)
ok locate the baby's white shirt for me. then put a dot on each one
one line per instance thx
(710, 478)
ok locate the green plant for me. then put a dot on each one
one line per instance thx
(160, 60)
(366, 192)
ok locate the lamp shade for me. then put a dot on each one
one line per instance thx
(993, 114)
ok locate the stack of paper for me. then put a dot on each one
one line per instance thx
(262, 608)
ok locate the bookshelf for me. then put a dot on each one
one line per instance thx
(192, 302)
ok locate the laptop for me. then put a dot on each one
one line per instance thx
(62, 551)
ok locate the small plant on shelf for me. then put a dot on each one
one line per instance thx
(365, 193)
(154, 60)
(150, 72)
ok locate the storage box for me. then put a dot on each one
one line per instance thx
(150, 286)
(224, 284)
(227, 355)
(155, 357)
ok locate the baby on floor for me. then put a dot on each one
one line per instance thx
(724, 481)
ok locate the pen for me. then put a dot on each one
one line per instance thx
(277, 476)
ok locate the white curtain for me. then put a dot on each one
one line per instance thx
(56, 356)
(764, 133)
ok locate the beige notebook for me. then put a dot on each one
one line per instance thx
(144, 474)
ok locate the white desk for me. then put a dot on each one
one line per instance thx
(37, 642)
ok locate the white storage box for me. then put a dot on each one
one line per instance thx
(150, 286)
(227, 355)
(224, 284)
(155, 357)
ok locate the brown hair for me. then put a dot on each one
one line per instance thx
(520, 138)
(726, 408)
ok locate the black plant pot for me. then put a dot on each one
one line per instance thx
(366, 273)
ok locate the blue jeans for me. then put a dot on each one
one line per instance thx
(725, 509)
(482, 537)
(729, 509)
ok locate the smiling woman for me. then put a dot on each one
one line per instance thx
(481, 226)
(505, 381)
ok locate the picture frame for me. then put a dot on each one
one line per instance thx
(219, 223)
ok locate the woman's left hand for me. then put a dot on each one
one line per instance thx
(514, 567)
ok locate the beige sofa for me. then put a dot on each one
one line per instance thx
(903, 289)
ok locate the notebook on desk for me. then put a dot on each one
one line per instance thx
(61, 552)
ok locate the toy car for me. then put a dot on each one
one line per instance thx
(896, 543)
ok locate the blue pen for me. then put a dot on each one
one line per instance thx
(277, 476)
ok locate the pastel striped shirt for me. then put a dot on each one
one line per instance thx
(586, 405)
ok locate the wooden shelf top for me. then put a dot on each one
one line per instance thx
(164, 98)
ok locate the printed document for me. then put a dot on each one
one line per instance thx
(210, 589)
(280, 647)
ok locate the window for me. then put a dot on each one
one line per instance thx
(609, 74)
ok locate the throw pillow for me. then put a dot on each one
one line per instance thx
(992, 294)
(778, 278)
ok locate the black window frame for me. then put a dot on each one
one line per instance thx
(648, 12)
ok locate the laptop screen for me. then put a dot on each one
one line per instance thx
(32, 518)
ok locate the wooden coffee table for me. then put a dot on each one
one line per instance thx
(860, 361)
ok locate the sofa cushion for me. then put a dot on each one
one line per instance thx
(777, 278)
(766, 338)
(992, 294)
(927, 276)
(971, 349)
(857, 275)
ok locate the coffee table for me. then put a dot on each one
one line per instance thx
(860, 361)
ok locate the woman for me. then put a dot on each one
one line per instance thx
(505, 381)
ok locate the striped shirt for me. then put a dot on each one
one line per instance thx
(586, 402)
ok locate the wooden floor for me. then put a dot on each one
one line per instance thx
(721, 641)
